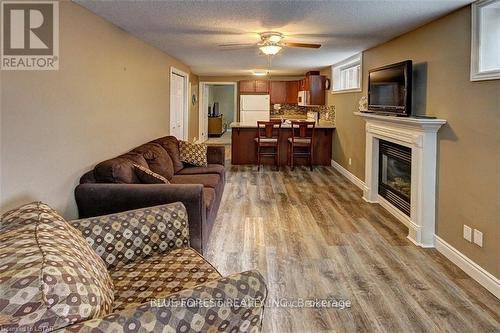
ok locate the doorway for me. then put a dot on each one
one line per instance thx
(179, 103)
(222, 95)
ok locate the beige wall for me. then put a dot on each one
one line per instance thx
(110, 94)
(468, 190)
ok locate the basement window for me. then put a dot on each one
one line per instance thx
(485, 40)
(346, 75)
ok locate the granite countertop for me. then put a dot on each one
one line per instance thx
(321, 124)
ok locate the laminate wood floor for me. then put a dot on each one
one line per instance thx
(312, 236)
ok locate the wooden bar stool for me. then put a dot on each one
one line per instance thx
(302, 138)
(268, 139)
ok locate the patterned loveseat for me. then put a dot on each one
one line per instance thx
(127, 272)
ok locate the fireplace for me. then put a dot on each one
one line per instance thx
(400, 171)
(394, 180)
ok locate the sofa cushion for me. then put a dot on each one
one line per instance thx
(119, 169)
(207, 180)
(171, 145)
(49, 275)
(157, 158)
(193, 153)
(160, 276)
(147, 176)
(210, 168)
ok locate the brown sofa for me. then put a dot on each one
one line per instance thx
(113, 186)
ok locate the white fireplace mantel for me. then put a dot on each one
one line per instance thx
(420, 134)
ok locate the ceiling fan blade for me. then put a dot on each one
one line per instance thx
(236, 48)
(306, 45)
(237, 44)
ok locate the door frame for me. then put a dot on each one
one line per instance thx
(185, 111)
(203, 108)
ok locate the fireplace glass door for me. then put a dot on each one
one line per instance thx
(395, 175)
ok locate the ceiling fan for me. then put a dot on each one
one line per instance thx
(271, 42)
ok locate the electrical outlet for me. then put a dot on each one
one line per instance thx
(478, 237)
(468, 233)
(350, 161)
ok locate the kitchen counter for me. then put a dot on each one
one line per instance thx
(319, 125)
(244, 149)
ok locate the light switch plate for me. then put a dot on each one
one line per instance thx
(478, 237)
(468, 233)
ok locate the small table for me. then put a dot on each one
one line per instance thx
(216, 126)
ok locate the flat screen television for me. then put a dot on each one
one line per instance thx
(389, 89)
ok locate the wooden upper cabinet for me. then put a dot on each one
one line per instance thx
(304, 84)
(316, 89)
(292, 92)
(261, 86)
(278, 92)
(254, 86)
(247, 86)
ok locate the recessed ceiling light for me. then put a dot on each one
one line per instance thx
(259, 73)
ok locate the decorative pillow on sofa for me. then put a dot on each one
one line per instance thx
(193, 153)
(49, 275)
(157, 158)
(149, 177)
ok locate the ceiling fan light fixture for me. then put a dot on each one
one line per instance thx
(275, 38)
(270, 49)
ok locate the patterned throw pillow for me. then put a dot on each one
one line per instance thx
(49, 275)
(147, 176)
(193, 153)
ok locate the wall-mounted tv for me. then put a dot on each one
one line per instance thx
(389, 89)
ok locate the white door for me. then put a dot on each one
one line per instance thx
(177, 106)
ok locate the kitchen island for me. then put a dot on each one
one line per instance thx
(244, 148)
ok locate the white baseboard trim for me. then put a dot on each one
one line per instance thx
(355, 180)
(483, 277)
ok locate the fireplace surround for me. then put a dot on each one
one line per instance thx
(419, 137)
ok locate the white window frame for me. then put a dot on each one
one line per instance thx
(349, 62)
(475, 70)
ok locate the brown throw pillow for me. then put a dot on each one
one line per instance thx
(147, 176)
(193, 153)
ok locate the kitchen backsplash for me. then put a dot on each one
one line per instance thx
(326, 112)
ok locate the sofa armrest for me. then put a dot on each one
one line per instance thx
(241, 295)
(96, 199)
(216, 155)
(122, 238)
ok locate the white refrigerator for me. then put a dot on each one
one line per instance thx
(254, 108)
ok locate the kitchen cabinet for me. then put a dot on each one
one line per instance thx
(316, 88)
(314, 85)
(261, 86)
(278, 92)
(247, 86)
(253, 86)
(292, 91)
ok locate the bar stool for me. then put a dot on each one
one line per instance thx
(268, 138)
(302, 138)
